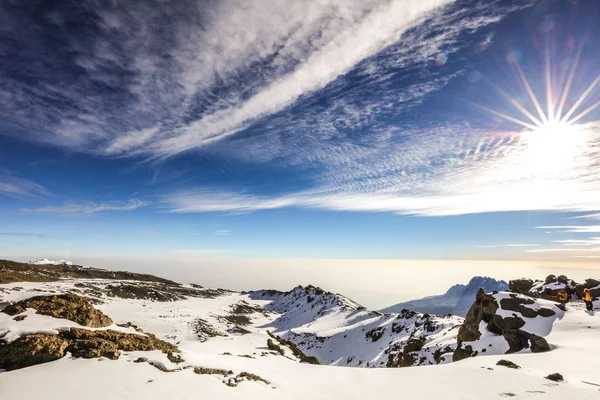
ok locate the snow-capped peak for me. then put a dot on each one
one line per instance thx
(45, 261)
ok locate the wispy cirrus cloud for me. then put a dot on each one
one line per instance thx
(27, 234)
(572, 228)
(508, 245)
(324, 87)
(211, 76)
(222, 232)
(17, 187)
(88, 208)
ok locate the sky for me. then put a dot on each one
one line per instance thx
(196, 131)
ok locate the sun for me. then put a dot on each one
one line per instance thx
(552, 135)
(553, 147)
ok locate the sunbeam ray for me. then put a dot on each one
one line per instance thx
(532, 96)
(507, 117)
(581, 99)
(515, 103)
(549, 98)
(567, 86)
(584, 112)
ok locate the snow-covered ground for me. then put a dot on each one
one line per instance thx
(45, 261)
(575, 340)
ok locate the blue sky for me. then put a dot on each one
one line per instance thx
(325, 129)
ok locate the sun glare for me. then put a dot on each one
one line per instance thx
(553, 136)
(553, 147)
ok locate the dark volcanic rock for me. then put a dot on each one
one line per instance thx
(520, 285)
(485, 310)
(515, 303)
(31, 350)
(67, 306)
(556, 377)
(538, 344)
(462, 353)
(508, 364)
(545, 312)
(404, 356)
(13, 309)
(517, 340)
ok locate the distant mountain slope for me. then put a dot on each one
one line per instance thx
(338, 331)
(45, 270)
(456, 300)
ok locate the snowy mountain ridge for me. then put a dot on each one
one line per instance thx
(457, 300)
(160, 338)
(338, 331)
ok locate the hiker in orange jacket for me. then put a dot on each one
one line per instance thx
(563, 296)
(587, 298)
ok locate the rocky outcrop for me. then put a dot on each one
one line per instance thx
(295, 350)
(406, 355)
(66, 306)
(40, 348)
(551, 285)
(31, 350)
(522, 286)
(123, 341)
(592, 284)
(505, 316)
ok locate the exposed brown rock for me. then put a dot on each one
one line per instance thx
(13, 309)
(67, 306)
(272, 346)
(296, 351)
(31, 350)
(94, 348)
(124, 341)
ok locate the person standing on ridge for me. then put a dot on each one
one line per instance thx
(563, 296)
(587, 298)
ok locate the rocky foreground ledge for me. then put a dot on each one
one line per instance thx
(36, 348)
(95, 336)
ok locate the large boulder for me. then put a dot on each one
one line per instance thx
(592, 284)
(504, 322)
(94, 348)
(520, 285)
(550, 287)
(31, 350)
(123, 341)
(67, 306)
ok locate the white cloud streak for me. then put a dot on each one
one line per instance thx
(509, 245)
(88, 208)
(16, 187)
